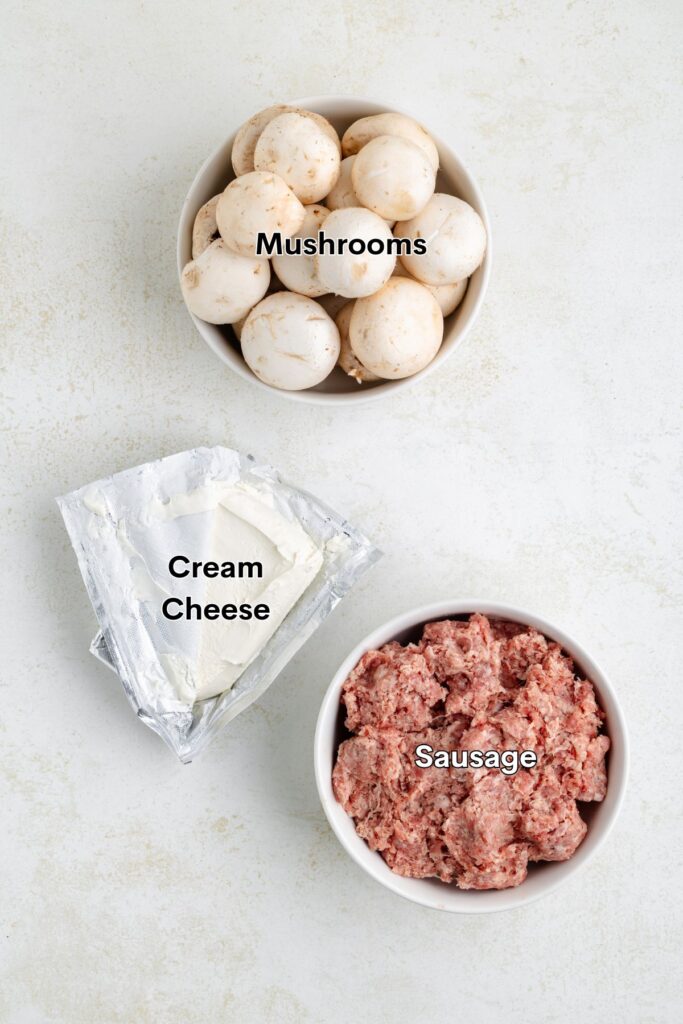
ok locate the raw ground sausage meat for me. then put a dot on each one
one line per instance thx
(476, 685)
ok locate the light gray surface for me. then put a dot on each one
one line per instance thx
(538, 468)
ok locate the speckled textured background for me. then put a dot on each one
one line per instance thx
(539, 467)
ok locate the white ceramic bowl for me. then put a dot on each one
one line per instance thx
(338, 388)
(542, 877)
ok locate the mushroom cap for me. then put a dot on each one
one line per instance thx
(257, 202)
(348, 361)
(290, 342)
(342, 195)
(367, 128)
(393, 177)
(298, 273)
(398, 331)
(205, 229)
(295, 146)
(355, 275)
(324, 125)
(456, 240)
(248, 135)
(449, 296)
(221, 286)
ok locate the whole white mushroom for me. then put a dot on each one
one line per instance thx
(355, 274)
(449, 296)
(294, 146)
(455, 236)
(248, 135)
(205, 229)
(290, 342)
(398, 331)
(367, 128)
(220, 286)
(257, 202)
(348, 361)
(298, 273)
(393, 177)
(342, 195)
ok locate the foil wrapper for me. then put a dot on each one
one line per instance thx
(134, 638)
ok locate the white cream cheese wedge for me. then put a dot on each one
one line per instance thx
(244, 527)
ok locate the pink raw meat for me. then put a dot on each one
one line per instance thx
(474, 685)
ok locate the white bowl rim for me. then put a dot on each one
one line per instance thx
(383, 390)
(357, 848)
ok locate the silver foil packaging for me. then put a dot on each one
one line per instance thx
(126, 528)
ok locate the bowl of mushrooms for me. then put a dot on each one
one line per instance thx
(333, 250)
